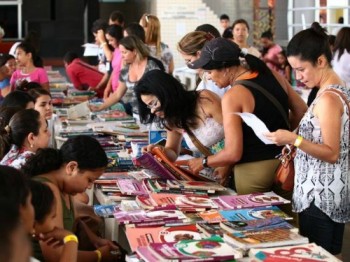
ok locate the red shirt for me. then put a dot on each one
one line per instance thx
(81, 73)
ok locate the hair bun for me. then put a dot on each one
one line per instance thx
(315, 26)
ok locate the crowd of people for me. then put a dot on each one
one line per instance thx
(135, 68)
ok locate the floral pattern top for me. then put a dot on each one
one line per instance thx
(16, 157)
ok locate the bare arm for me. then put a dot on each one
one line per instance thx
(102, 39)
(46, 86)
(113, 98)
(328, 110)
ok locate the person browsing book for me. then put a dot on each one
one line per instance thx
(68, 171)
(137, 61)
(254, 162)
(322, 187)
(185, 114)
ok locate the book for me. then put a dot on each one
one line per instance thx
(145, 236)
(253, 213)
(115, 115)
(264, 238)
(252, 200)
(209, 249)
(105, 210)
(211, 216)
(131, 187)
(210, 229)
(210, 187)
(148, 218)
(80, 110)
(256, 224)
(149, 162)
(303, 253)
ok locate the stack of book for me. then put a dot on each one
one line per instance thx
(209, 249)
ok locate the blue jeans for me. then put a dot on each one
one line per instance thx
(322, 230)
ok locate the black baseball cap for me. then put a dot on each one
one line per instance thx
(217, 53)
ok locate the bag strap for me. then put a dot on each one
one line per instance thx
(343, 98)
(203, 149)
(267, 94)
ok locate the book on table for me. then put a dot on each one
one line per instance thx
(105, 211)
(253, 213)
(303, 253)
(144, 236)
(252, 200)
(256, 224)
(210, 187)
(210, 229)
(208, 249)
(264, 238)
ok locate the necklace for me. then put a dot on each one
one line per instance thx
(237, 76)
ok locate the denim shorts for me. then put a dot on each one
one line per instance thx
(322, 230)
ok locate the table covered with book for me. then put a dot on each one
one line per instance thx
(158, 211)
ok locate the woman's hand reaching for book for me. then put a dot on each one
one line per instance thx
(195, 165)
(222, 174)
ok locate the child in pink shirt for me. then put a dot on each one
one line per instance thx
(27, 68)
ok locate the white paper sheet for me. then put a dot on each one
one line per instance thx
(80, 110)
(257, 125)
(90, 49)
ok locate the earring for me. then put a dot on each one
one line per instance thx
(33, 233)
(31, 145)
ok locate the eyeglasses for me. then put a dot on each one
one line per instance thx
(153, 104)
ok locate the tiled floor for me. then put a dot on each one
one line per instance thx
(346, 244)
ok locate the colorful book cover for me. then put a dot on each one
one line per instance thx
(148, 161)
(209, 249)
(304, 253)
(264, 238)
(131, 187)
(145, 236)
(210, 187)
(211, 216)
(256, 224)
(105, 210)
(252, 200)
(195, 202)
(141, 216)
(253, 213)
(210, 229)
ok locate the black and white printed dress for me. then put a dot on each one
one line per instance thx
(316, 180)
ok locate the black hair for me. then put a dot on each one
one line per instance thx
(14, 186)
(227, 33)
(35, 93)
(99, 24)
(224, 16)
(267, 34)
(310, 44)
(9, 222)
(208, 28)
(26, 86)
(137, 30)
(85, 150)
(17, 98)
(6, 113)
(115, 31)
(29, 48)
(69, 57)
(342, 42)
(4, 58)
(117, 16)
(178, 105)
(240, 21)
(20, 126)
(42, 200)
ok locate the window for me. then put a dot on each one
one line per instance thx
(11, 18)
(302, 13)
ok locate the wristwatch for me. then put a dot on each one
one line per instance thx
(205, 161)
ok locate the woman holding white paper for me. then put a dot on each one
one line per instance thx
(322, 179)
(254, 162)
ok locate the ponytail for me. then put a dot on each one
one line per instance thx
(43, 162)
